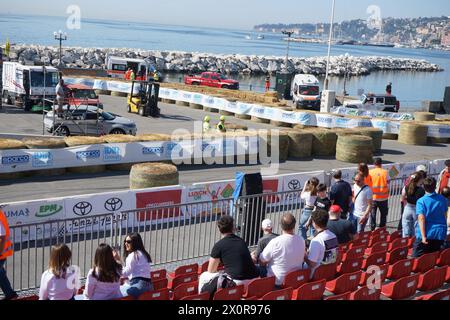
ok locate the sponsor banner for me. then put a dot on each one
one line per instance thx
(150, 199)
(296, 182)
(372, 113)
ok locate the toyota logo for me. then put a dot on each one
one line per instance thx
(113, 204)
(82, 208)
(294, 184)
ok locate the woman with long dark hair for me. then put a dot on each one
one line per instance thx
(137, 266)
(103, 280)
(363, 169)
(410, 194)
(309, 196)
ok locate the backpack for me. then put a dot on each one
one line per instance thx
(222, 281)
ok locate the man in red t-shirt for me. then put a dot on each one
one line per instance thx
(444, 178)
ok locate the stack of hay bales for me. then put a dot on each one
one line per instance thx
(271, 97)
(12, 144)
(83, 141)
(324, 142)
(151, 175)
(346, 131)
(281, 142)
(424, 116)
(153, 137)
(376, 135)
(300, 144)
(354, 149)
(46, 143)
(413, 133)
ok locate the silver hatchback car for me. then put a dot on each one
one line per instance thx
(88, 120)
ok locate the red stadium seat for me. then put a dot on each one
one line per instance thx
(359, 242)
(81, 290)
(128, 298)
(346, 283)
(425, 262)
(183, 270)
(401, 289)
(349, 266)
(354, 253)
(382, 272)
(325, 271)
(397, 255)
(411, 242)
(162, 294)
(364, 235)
(160, 284)
(259, 287)
(432, 280)
(447, 277)
(295, 279)
(398, 243)
(185, 290)
(187, 278)
(378, 238)
(395, 235)
(158, 275)
(366, 294)
(310, 291)
(442, 295)
(29, 298)
(375, 259)
(343, 296)
(344, 247)
(380, 231)
(381, 246)
(400, 269)
(202, 296)
(203, 267)
(444, 258)
(229, 294)
(284, 294)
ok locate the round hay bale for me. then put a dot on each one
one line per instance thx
(354, 149)
(9, 144)
(424, 116)
(281, 141)
(226, 113)
(83, 141)
(150, 175)
(120, 138)
(196, 106)
(300, 127)
(45, 143)
(260, 120)
(51, 173)
(346, 132)
(153, 137)
(182, 103)
(324, 142)
(300, 144)
(103, 92)
(376, 135)
(412, 133)
(119, 94)
(390, 136)
(87, 169)
(243, 116)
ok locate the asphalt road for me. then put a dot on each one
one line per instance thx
(13, 120)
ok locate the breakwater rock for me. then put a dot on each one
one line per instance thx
(185, 62)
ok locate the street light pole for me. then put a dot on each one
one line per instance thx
(289, 34)
(345, 74)
(60, 36)
(330, 39)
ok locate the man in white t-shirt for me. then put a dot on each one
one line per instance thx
(323, 248)
(363, 202)
(284, 253)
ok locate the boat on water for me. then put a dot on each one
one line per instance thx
(260, 37)
(378, 44)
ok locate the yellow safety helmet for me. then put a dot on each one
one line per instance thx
(222, 118)
(207, 119)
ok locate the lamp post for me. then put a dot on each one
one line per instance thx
(289, 34)
(60, 36)
(345, 74)
(330, 39)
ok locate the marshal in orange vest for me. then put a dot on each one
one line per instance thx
(380, 185)
(8, 249)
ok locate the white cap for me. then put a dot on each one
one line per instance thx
(421, 168)
(267, 224)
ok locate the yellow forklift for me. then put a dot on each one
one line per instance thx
(143, 98)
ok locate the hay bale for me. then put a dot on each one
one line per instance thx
(346, 131)
(235, 127)
(10, 144)
(243, 116)
(119, 94)
(120, 138)
(300, 127)
(153, 137)
(354, 149)
(103, 92)
(376, 135)
(45, 143)
(280, 124)
(281, 142)
(195, 106)
(182, 103)
(83, 141)
(424, 116)
(390, 136)
(432, 140)
(324, 142)
(150, 175)
(49, 173)
(412, 133)
(272, 94)
(14, 175)
(87, 169)
(226, 113)
(168, 101)
(300, 144)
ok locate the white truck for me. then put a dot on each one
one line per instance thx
(305, 92)
(116, 67)
(26, 86)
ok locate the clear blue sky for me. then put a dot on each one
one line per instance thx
(239, 14)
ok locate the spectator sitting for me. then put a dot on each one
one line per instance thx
(59, 282)
(103, 280)
(431, 229)
(410, 194)
(341, 194)
(322, 201)
(285, 253)
(323, 249)
(137, 266)
(266, 226)
(343, 229)
(233, 252)
(362, 204)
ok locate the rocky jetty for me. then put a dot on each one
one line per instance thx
(184, 62)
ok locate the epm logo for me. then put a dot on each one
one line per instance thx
(84, 155)
(22, 159)
(48, 210)
(111, 154)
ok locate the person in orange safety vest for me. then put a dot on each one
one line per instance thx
(6, 250)
(380, 188)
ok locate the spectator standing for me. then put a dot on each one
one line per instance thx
(267, 83)
(137, 266)
(343, 229)
(268, 236)
(380, 188)
(233, 252)
(309, 196)
(431, 229)
(127, 74)
(285, 253)
(60, 96)
(132, 75)
(389, 89)
(323, 249)
(322, 201)
(444, 178)
(362, 204)
(341, 194)
(6, 250)
(446, 195)
(103, 280)
(59, 282)
(363, 168)
(410, 195)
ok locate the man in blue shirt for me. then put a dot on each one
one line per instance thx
(431, 227)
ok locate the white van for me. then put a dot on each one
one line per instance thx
(306, 92)
(116, 67)
(24, 85)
